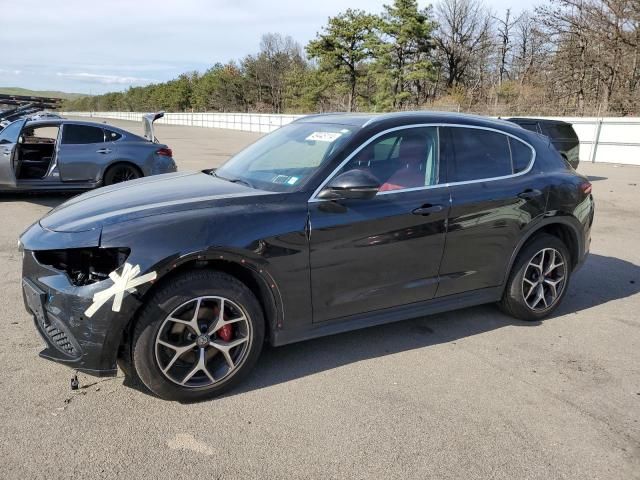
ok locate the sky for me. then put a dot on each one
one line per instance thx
(89, 46)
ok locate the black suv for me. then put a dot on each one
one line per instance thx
(329, 224)
(562, 135)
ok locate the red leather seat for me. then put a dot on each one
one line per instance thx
(412, 158)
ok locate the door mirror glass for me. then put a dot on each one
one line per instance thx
(354, 184)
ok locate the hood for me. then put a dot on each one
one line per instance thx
(147, 122)
(159, 194)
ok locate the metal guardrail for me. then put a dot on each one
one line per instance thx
(602, 139)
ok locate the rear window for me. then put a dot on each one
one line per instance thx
(81, 134)
(559, 130)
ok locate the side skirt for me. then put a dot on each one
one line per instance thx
(389, 315)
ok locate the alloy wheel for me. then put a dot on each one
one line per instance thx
(544, 279)
(123, 174)
(203, 341)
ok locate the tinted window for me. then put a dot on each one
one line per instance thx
(407, 158)
(529, 126)
(521, 154)
(559, 130)
(80, 134)
(476, 154)
(110, 136)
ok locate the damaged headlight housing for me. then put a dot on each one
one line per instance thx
(84, 266)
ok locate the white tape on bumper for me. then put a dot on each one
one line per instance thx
(126, 282)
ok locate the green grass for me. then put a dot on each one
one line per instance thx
(40, 93)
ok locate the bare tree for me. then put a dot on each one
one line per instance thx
(463, 37)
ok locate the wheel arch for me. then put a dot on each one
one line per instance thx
(566, 228)
(252, 274)
(121, 161)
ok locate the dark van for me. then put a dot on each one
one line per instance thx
(561, 134)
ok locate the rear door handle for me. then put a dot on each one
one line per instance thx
(104, 150)
(530, 194)
(427, 209)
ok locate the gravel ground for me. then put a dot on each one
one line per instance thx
(470, 394)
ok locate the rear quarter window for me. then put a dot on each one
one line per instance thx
(110, 136)
(477, 154)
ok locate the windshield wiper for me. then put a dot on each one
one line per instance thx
(233, 180)
(240, 180)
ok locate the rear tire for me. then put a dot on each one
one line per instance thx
(180, 332)
(538, 280)
(121, 172)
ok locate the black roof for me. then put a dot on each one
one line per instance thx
(533, 119)
(400, 118)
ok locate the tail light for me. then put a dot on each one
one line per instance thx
(164, 152)
(586, 188)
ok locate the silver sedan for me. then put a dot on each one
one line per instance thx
(60, 154)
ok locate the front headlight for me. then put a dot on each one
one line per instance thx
(84, 266)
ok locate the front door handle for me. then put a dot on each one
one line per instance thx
(427, 209)
(530, 194)
(7, 152)
(104, 150)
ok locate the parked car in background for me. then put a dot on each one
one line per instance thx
(60, 154)
(45, 116)
(328, 224)
(561, 134)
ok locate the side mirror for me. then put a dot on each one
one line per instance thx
(354, 184)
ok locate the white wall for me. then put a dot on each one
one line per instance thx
(614, 139)
(248, 122)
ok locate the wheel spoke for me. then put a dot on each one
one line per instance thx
(201, 365)
(179, 351)
(225, 348)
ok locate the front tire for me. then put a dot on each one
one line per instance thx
(198, 336)
(538, 280)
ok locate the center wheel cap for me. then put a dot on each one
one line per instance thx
(202, 341)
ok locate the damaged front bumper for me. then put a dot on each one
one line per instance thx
(58, 307)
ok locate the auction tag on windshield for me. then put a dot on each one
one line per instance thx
(324, 136)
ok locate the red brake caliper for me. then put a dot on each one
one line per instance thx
(226, 333)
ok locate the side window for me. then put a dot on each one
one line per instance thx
(402, 159)
(477, 154)
(110, 136)
(521, 155)
(81, 134)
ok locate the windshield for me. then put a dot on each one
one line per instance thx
(284, 160)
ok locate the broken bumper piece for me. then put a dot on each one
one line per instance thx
(88, 344)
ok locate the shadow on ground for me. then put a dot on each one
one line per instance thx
(283, 364)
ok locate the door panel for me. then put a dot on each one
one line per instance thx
(485, 224)
(371, 254)
(486, 217)
(83, 152)
(8, 146)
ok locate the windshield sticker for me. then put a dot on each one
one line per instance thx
(324, 136)
(292, 180)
